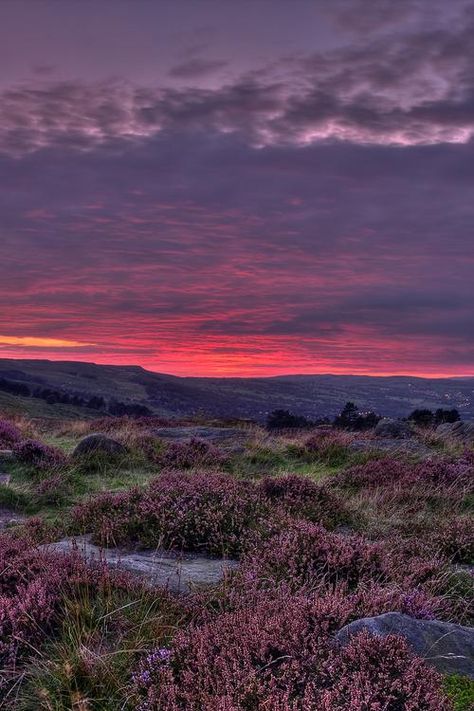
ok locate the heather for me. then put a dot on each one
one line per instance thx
(322, 536)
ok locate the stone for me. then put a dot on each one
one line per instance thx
(98, 443)
(463, 431)
(9, 518)
(179, 573)
(219, 436)
(446, 646)
(394, 429)
(6, 456)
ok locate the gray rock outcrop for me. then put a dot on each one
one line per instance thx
(447, 647)
(179, 573)
(463, 431)
(394, 429)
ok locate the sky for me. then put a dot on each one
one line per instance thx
(212, 187)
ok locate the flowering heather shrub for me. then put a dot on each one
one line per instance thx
(308, 555)
(441, 473)
(303, 498)
(193, 454)
(209, 512)
(9, 434)
(52, 490)
(279, 654)
(381, 673)
(38, 455)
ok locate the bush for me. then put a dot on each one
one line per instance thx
(9, 434)
(193, 454)
(200, 512)
(303, 498)
(38, 455)
(285, 420)
(278, 654)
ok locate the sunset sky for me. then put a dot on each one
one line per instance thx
(239, 187)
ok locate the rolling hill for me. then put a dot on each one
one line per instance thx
(168, 395)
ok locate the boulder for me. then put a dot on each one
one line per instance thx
(394, 429)
(98, 443)
(446, 646)
(463, 431)
(179, 573)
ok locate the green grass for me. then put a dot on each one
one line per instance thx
(89, 663)
(460, 691)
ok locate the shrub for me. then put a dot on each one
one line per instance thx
(52, 490)
(303, 498)
(193, 454)
(278, 654)
(9, 434)
(200, 512)
(285, 420)
(443, 473)
(308, 555)
(375, 673)
(38, 455)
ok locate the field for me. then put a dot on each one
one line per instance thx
(320, 533)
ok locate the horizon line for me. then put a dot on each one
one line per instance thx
(436, 376)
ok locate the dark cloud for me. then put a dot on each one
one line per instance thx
(313, 214)
(195, 67)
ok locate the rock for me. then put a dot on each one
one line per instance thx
(447, 647)
(220, 436)
(178, 573)
(6, 456)
(394, 429)
(391, 445)
(463, 431)
(98, 443)
(9, 518)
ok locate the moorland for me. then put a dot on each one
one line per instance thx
(320, 527)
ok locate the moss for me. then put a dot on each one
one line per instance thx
(460, 691)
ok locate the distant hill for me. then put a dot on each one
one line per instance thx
(168, 395)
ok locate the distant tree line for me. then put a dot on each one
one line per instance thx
(352, 419)
(93, 402)
(426, 418)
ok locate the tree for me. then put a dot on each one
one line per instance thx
(351, 419)
(421, 417)
(283, 420)
(441, 416)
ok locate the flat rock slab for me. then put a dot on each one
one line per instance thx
(177, 573)
(446, 646)
(222, 436)
(9, 518)
(392, 446)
